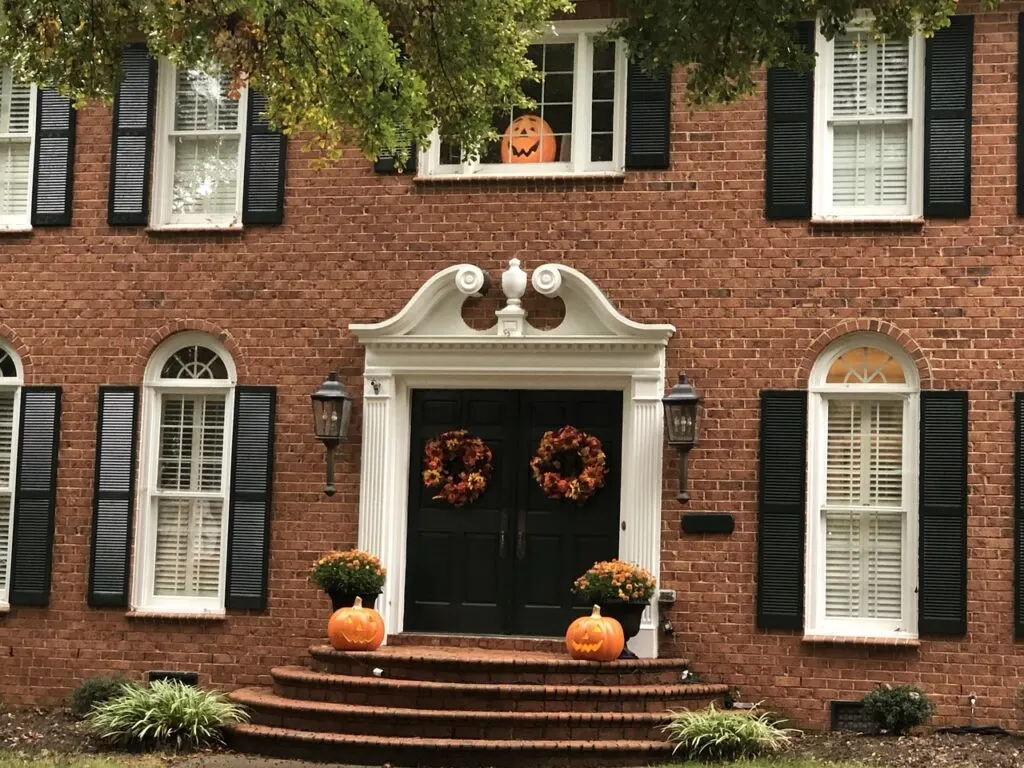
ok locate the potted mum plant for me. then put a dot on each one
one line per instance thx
(344, 576)
(622, 590)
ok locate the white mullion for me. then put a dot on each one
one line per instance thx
(582, 89)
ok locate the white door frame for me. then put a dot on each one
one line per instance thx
(428, 345)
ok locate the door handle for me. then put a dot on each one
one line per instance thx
(501, 537)
(521, 535)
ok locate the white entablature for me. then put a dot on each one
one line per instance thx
(428, 345)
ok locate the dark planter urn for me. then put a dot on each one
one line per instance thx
(628, 614)
(346, 599)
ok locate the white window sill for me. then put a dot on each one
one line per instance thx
(521, 177)
(866, 220)
(198, 227)
(15, 229)
(156, 615)
(884, 641)
(4, 609)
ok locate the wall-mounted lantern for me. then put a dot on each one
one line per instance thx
(681, 405)
(332, 410)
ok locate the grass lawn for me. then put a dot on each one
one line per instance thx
(780, 762)
(8, 760)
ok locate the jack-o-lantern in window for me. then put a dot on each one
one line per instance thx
(356, 628)
(595, 637)
(528, 140)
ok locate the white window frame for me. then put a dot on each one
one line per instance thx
(161, 216)
(822, 207)
(22, 223)
(582, 34)
(14, 385)
(820, 393)
(143, 598)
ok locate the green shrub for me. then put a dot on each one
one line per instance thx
(166, 714)
(897, 709)
(714, 734)
(95, 690)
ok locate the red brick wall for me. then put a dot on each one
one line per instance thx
(85, 305)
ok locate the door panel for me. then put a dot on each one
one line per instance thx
(460, 576)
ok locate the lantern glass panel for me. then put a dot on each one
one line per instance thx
(326, 419)
(682, 423)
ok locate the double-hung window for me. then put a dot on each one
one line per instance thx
(185, 477)
(17, 134)
(862, 495)
(868, 126)
(577, 125)
(199, 151)
(10, 391)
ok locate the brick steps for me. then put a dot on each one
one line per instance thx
(406, 751)
(423, 640)
(269, 709)
(539, 668)
(302, 683)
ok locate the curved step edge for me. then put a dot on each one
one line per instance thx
(521, 662)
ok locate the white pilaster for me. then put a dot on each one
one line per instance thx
(376, 521)
(640, 532)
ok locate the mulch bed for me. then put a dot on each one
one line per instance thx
(32, 731)
(937, 750)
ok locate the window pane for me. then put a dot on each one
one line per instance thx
(869, 77)
(602, 112)
(194, 362)
(6, 442)
(205, 175)
(869, 164)
(201, 102)
(5, 539)
(15, 168)
(188, 547)
(864, 564)
(864, 464)
(15, 105)
(191, 443)
(866, 365)
(543, 134)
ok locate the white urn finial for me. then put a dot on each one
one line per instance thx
(513, 283)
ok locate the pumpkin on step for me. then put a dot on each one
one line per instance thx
(356, 628)
(595, 637)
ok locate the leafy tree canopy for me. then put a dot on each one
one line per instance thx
(377, 73)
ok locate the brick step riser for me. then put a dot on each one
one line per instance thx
(452, 672)
(486, 702)
(390, 725)
(413, 756)
(495, 643)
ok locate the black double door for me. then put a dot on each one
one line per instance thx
(505, 563)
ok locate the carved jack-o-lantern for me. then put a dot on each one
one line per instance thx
(356, 628)
(528, 140)
(595, 637)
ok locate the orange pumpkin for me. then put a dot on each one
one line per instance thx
(356, 628)
(528, 140)
(595, 637)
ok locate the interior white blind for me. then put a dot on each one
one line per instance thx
(15, 145)
(207, 141)
(190, 503)
(6, 484)
(863, 512)
(870, 121)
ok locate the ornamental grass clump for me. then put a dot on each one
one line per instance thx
(166, 714)
(352, 572)
(714, 734)
(609, 580)
(896, 709)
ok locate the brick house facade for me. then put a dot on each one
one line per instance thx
(755, 302)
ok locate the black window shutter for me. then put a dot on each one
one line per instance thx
(790, 139)
(55, 154)
(265, 151)
(252, 464)
(35, 493)
(1020, 115)
(947, 120)
(113, 494)
(132, 149)
(942, 577)
(386, 162)
(1018, 515)
(781, 513)
(648, 118)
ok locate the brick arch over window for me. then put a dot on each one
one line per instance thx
(11, 340)
(862, 325)
(163, 333)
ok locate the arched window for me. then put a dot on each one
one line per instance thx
(862, 490)
(11, 379)
(184, 475)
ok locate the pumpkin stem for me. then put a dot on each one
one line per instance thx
(596, 613)
(359, 603)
